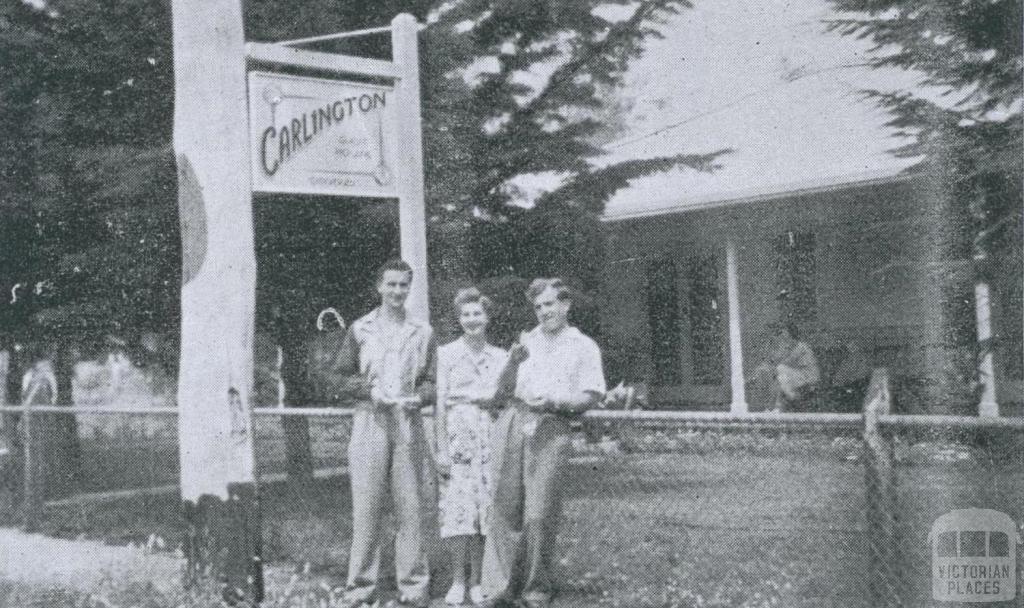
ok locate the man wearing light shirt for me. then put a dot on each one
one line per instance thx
(556, 373)
(393, 357)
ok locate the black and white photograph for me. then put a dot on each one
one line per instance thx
(511, 303)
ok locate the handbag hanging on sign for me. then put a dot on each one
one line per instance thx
(322, 358)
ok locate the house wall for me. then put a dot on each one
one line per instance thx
(879, 279)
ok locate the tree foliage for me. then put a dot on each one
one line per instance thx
(966, 118)
(509, 119)
(966, 123)
(100, 184)
(511, 89)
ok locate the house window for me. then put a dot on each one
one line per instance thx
(705, 315)
(663, 317)
(795, 277)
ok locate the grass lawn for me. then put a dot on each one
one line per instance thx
(712, 523)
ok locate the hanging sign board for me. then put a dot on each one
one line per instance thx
(318, 136)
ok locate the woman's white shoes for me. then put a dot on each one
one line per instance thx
(456, 595)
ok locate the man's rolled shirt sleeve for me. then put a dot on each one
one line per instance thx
(591, 371)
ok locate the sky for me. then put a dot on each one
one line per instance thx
(765, 80)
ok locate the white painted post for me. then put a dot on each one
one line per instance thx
(5, 367)
(411, 197)
(219, 265)
(988, 406)
(737, 379)
(218, 295)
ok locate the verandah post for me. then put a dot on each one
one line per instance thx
(986, 370)
(737, 380)
(217, 298)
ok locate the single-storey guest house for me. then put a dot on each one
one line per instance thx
(810, 219)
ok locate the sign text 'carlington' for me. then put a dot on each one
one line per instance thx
(317, 136)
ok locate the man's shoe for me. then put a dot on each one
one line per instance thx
(502, 602)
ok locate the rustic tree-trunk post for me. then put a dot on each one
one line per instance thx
(217, 298)
(40, 389)
(63, 462)
(10, 454)
(298, 444)
(32, 491)
(14, 475)
(5, 369)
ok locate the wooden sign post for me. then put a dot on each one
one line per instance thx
(218, 296)
(300, 135)
(411, 199)
(345, 137)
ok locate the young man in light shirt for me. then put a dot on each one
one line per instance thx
(556, 373)
(393, 357)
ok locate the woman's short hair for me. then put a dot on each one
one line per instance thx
(472, 295)
(539, 286)
(393, 264)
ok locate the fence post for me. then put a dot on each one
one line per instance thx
(298, 444)
(32, 461)
(885, 579)
(40, 389)
(9, 453)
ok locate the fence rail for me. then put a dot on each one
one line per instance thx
(765, 419)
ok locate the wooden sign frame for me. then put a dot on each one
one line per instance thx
(404, 74)
(215, 380)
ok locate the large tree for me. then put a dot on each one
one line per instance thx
(965, 117)
(93, 134)
(964, 120)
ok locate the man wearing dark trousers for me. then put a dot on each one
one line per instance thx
(556, 373)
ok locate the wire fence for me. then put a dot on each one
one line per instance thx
(923, 467)
(661, 508)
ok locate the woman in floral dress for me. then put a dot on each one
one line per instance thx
(467, 375)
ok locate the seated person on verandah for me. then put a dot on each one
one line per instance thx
(794, 370)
